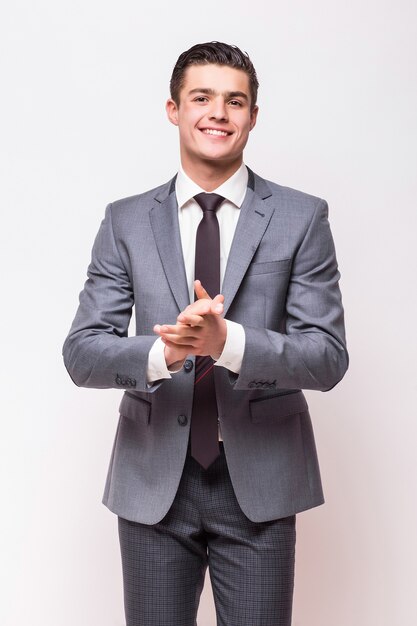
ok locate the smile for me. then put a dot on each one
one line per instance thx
(217, 133)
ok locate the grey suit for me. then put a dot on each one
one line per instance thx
(281, 284)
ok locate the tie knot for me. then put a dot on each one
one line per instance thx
(209, 201)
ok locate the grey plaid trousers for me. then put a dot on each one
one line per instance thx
(251, 565)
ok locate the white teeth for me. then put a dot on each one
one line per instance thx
(211, 131)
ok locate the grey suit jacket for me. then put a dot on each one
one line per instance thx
(281, 284)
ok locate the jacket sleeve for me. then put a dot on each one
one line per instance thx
(97, 352)
(311, 353)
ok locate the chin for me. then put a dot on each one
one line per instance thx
(217, 156)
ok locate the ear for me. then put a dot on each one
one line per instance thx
(172, 111)
(254, 116)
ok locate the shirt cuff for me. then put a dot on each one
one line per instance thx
(234, 347)
(157, 367)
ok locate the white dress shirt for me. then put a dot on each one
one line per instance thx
(189, 217)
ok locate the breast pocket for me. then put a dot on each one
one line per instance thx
(269, 267)
(135, 408)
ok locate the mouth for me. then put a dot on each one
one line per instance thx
(215, 132)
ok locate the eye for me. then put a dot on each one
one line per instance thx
(235, 103)
(201, 99)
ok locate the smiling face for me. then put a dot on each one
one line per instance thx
(214, 117)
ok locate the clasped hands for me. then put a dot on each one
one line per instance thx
(200, 329)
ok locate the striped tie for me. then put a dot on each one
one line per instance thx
(204, 430)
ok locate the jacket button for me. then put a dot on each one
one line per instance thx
(188, 365)
(182, 420)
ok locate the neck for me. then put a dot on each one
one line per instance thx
(210, 174)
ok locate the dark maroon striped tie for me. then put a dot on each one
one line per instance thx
(204, 429)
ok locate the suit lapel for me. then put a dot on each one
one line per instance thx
(255, 214)
(165, 227)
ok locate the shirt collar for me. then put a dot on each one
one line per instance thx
(233, 189)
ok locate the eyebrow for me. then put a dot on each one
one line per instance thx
(226, 94)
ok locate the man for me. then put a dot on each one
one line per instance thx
(212, 460)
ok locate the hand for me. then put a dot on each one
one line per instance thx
(200, 329)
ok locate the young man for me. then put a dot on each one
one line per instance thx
(214, 452)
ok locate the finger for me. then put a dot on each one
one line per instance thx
(182, 330)
(185, 349)
(202, 308)
(200, 292)
(179, 340)
(217, 304)
(190, 319)
(166, 328)
(199, 307)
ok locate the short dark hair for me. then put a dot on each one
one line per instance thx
(219, 54)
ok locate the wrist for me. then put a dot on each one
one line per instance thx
(173, 360)
(222, 341)
(175, 366)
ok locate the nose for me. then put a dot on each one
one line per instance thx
(218, 110)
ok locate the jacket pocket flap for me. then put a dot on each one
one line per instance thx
(278, 406)
(135, 408)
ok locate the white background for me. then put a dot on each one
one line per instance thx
(83, 123)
